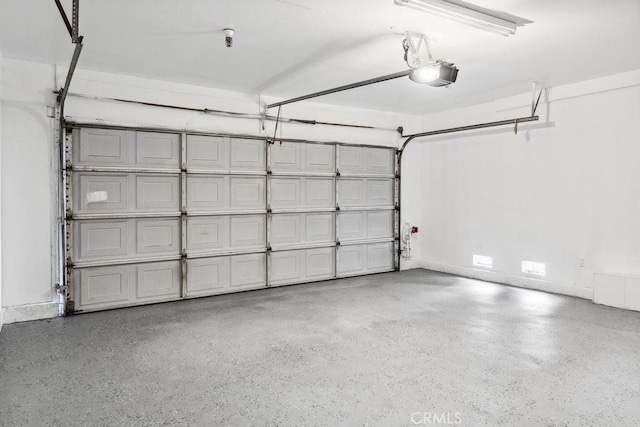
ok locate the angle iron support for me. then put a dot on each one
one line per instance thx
(75, 22)
(342, 88)
(64, 18)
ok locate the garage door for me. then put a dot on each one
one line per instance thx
(160, 216)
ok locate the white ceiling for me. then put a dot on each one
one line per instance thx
(287, 48)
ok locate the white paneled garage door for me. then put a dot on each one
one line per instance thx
(160, 216)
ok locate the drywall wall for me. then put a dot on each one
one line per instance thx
(565, 192)
(1, 311)
(29, 162)
(27, 190)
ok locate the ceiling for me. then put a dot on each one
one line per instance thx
(287, 48)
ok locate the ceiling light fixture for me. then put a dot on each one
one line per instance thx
(463, 14)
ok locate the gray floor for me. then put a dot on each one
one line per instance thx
(396, 349)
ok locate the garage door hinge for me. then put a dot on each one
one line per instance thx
(269, 248)
(269, 209)
(268, 171)
(397, 208)
(337, 172)
(270, 141)
(61, 289)
(337, 243)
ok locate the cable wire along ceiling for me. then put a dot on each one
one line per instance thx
(463, 13)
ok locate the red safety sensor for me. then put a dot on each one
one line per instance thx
(414, 229)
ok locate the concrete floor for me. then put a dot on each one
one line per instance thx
(397, 349)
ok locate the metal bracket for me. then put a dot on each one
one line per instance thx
(534, 101)
(414, 48)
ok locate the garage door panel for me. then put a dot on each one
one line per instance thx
(158, 280)
(113, 240)
(247, 154)
(100, 239)
(157, 149)
(320, 263)
(101, 192)
(352, 192)
(351, 259)
(351, 160)
(287, 267)
(247, 193)
(207, 152)
(207, 193)
(365, 258)
(157, 193)
(248, 270)
(351, 225)
(380, 161)
(158, 236)
(101, 147)
(286, 228)
(380, 224)
(286, 157)
(207, 233)
(365, 192)
(320, 227)
(303, 157)
(247, 231)
(380, 256)
(380, 192)
(302, 265)
(320, 192)
(320, 158)
(208, 275)
(299, 228)
(286, 192)
(102, 286)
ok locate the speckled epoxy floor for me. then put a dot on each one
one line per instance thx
(397, 349)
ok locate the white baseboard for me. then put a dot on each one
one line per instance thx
(408, 264)
(513, 280)
(24, 313)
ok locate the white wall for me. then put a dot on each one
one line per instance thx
(1, 311)
(27, 190)
(29, 154)
(566, 192)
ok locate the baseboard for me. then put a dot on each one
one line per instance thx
(24, 313)
(513, 280)
(411, 263)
